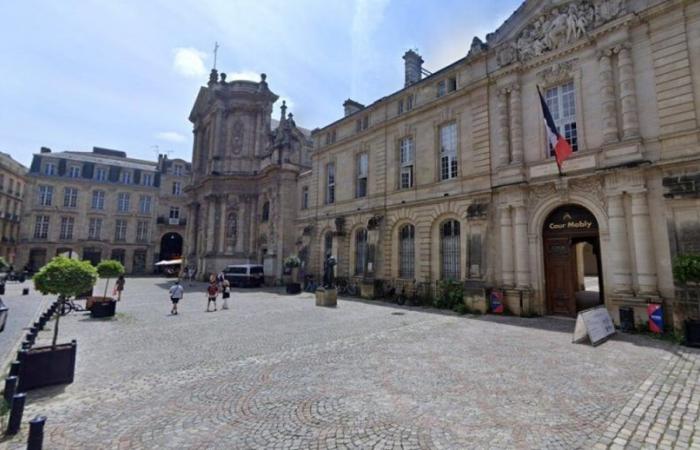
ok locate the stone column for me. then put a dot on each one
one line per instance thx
(503, 132)
(516, 126)
(522, 269)
(619, 245)
(506, 246)
(628, 94)
(222, 225)
(644, 251)
(209, 228)
(607, 96)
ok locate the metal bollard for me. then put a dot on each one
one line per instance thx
(25, 291)
(10, 388)
(26, 345)
(16, 412)
(14, 368)
(36, 433)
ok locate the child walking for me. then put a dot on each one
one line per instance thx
(212, 292)
(225, 293)
(176, 294)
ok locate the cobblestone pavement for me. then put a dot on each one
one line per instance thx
(275, 371)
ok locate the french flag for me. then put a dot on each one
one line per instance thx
(562, 149)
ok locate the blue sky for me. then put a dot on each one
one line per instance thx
(124, 74)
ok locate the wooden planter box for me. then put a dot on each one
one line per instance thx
(293, 288)
(46, 366)
(102, 307)
(692, 333)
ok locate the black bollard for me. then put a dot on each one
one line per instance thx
(26, 345)
(25, 291)
(36, 433)
(16, 411)
(14, 368)
(10, 388)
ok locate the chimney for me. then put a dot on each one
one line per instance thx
(45, 150)
(351, 107)
(413, 67)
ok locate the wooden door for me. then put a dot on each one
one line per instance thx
(560, 271)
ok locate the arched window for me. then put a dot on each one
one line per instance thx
(232, 229)
(407, 251)
(449, 249)
(266, 212)
(360, 251)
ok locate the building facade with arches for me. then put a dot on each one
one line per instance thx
(451, 177)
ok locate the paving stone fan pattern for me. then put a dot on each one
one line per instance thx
(277, 372)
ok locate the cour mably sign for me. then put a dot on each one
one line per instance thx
(570, 218)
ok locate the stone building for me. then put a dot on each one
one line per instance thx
(171, 221)
(243, 197)
(12, 182)
(451, 177)
(101, 205)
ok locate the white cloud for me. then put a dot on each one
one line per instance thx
(170, 136)
(189, 62)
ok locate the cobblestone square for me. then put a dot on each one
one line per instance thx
(275, 371)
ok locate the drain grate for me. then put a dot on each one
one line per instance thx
(397, 314)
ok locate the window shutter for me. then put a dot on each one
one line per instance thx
(156, 179)
(137, 176)
(61, 167)
(114, 174)
(88, 170)
(36, 164)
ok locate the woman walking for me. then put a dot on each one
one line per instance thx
(212, 292)
(119, 286)
(225, 293)
(176, 294)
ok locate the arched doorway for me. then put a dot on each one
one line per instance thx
(573, 270)
(170, 246)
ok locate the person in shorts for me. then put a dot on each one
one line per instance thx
(176, 294)
(212, 292)
(225, 293)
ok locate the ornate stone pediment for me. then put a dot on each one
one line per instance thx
(562, 24)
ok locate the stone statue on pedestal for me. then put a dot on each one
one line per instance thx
(328, 278)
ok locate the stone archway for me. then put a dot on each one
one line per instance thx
(571, 250)
(170, 246)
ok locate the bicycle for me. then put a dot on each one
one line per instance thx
(346, 287)
(67, 306)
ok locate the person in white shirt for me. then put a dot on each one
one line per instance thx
(176, 293)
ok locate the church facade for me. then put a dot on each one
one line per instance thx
(451, 177)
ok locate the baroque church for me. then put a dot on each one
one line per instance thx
(451, 176)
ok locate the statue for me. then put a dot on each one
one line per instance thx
(328, 265)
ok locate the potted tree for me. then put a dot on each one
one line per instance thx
(105, 306)
(686, 271)
(291, 265)
(55, 364)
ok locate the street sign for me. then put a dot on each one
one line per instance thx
(594, 323)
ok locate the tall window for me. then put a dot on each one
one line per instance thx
(94, 228)
(123, 201)
(360, 251)
(448, 151)
(41, 227)
(177, 188)
(328, 244)
(70, 197)
(266, 212)
(120, 230)
(98, 200)
(145, 204)
(50, 169)
(67, 224)
(406, 159)
(142, 231)
(174, 212)
(561, 102)
(447, 85)
(304, 197)
(126, 177)
(147, 179)
(407, 251)
(362, 169)
(177, 170)
(45, 195)
(74, 172)
(330, 183)
(101, 174)
(449, 249)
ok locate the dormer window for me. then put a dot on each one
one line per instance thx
(405, 104)
(446, 86)
(362, 123)
(126, 177)
(74, 172)
(50, 169)
(101, 174)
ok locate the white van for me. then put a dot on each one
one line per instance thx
(245, 275)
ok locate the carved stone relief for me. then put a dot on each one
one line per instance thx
(236, 137)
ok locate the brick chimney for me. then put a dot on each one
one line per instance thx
(351, 107)
(413, 67)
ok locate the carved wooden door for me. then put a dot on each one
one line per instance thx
(560, 272)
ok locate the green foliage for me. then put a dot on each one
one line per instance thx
(3, 264)
(686, 268)
(292, 261)
(65, 277)
(451, 294)
(110, 268)
(461, 308)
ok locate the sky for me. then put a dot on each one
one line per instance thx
(125, 74)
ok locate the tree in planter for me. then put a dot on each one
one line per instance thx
(66, 278)
(292, 262)
(109, 269)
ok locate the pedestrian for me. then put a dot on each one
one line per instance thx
(176, 294)
(225, 293)
(220, 280)
(119, 287)
(212, 292)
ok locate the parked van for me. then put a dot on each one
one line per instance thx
(245, 275)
